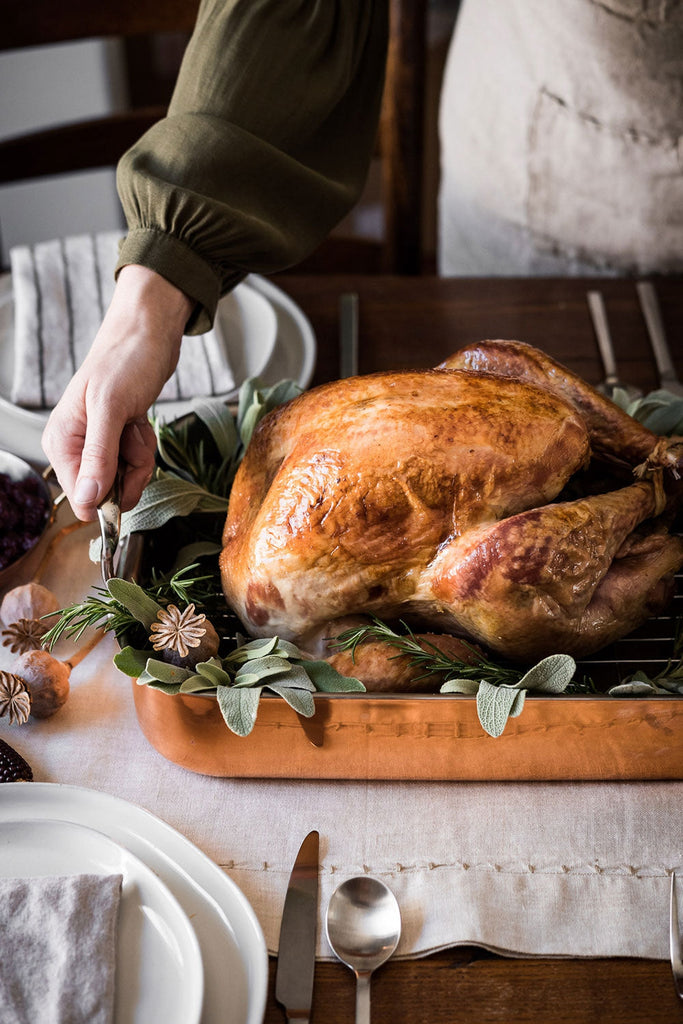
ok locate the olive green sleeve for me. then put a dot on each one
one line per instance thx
(265, 147)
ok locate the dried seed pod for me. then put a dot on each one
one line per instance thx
(47, 680)
(15, 699)
(28, 601)
(24, 635)
(184, 638)
(13, 767)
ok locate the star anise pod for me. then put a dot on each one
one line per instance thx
(15, 699)
(178, 631)
(25, 635)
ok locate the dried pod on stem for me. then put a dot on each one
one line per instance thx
(47, 678)
(32, 602)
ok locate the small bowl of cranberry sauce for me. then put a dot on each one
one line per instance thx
(26, 511)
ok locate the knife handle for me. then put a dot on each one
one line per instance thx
(653, 320)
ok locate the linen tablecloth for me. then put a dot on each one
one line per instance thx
(568, 869)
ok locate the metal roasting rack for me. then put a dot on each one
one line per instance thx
(649, 648)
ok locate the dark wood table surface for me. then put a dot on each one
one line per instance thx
(410, 322)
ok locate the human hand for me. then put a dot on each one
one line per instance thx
(101, 418)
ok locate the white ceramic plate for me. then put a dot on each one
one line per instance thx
(231, 942)
(288, 351)
(159, 974)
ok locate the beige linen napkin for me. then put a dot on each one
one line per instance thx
(62, 289)
(58, 941)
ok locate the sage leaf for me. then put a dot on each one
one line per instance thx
(253, 650)
(468, 686)
(164, 672)
(298, 677)
(277, 394)
(636, 688)
(213, 673)
(518, 704)
(220, 423)
(666, 419)
(286, 649)
(195, 683)
(145, 679)
(494, 705)
(131, 661)
(239, 707)
(250, 420)
(263, 667)
(301, 700)
(326, 679)
(164, 499)
(669, 684)
(248, 395)
(140, 605)
(247, 679)
(551, 675)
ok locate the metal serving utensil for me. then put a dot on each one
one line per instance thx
(363, 925)
(675, 940)
(109, 515)
(596, 305)
(649, 304)
(348, 335)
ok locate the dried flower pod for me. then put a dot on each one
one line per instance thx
(28, 601)
(24, 635)
(47, 680)
(184, 638)
(13, 767)
(15, 699)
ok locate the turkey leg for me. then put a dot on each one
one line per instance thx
(615, 436)
(567, 577)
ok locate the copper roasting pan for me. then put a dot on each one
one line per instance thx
(435, 737)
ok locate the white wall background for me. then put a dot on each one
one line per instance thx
(52, 85)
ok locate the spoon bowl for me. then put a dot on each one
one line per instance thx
(363, 925)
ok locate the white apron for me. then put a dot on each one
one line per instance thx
(561, 128)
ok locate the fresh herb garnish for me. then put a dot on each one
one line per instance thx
(103, 611)
(500, 690)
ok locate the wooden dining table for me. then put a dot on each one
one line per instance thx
(417, 322)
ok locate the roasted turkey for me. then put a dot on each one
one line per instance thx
(497, 497)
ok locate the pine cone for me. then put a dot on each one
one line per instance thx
(13, 768)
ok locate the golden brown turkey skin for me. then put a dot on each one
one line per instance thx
(428, 495)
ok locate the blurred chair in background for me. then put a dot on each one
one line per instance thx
(396, 246)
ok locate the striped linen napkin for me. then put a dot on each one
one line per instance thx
(62, 289)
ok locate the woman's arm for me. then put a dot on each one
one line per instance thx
(265, 147)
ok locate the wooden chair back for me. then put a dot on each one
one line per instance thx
(100, 142)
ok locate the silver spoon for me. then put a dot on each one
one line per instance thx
(363, 925)
(611, 383)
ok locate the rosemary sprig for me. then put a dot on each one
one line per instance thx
(426, 655)
(101, 611)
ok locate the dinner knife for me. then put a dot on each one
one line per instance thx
(296, 951)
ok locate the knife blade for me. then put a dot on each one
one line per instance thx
(296, 951)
